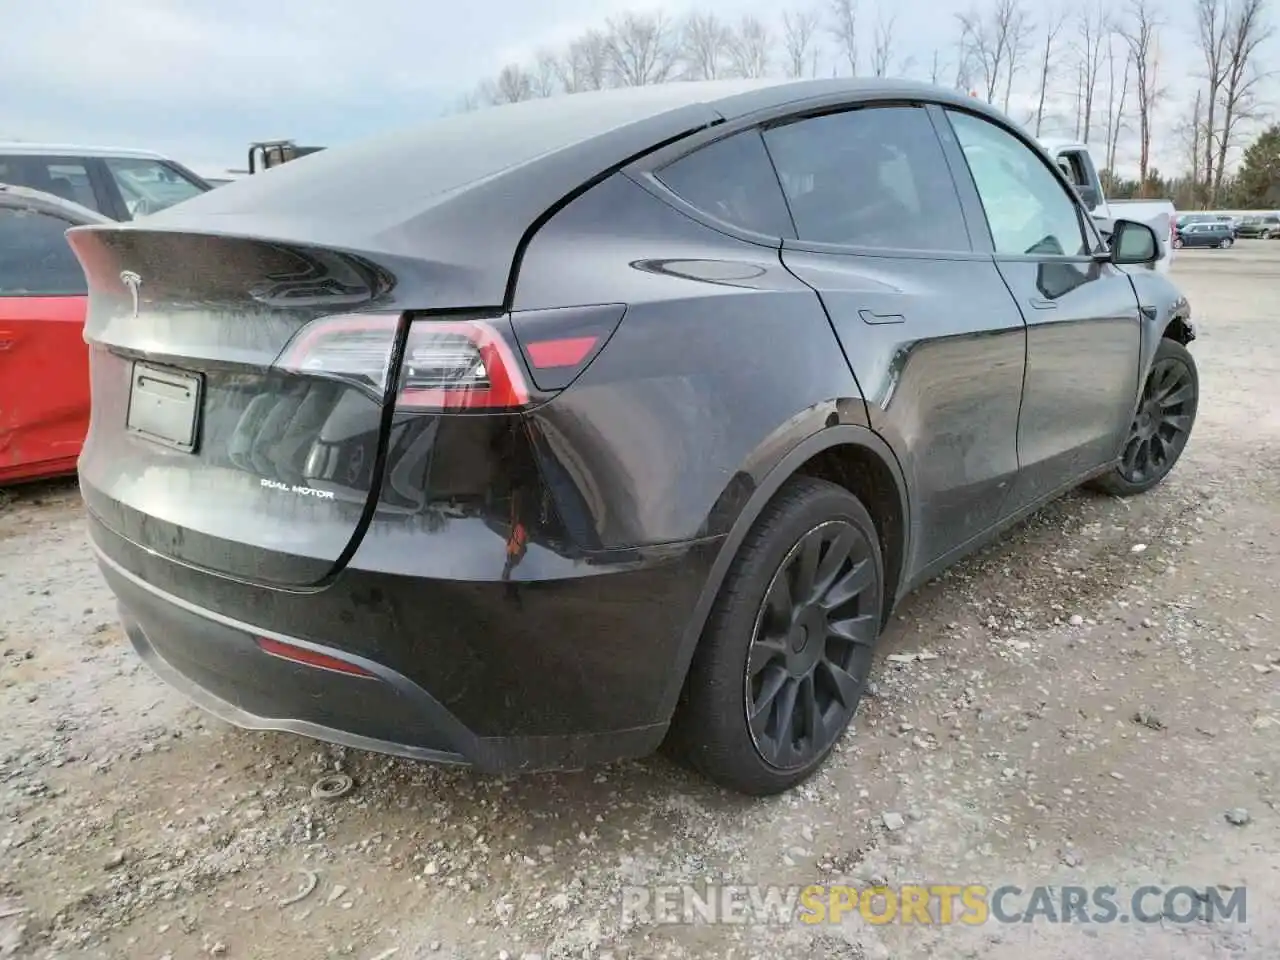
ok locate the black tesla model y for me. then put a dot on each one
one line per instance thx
(541, 434)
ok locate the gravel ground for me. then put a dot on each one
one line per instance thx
(1097, 703)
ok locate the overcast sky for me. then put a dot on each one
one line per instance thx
(199, 79)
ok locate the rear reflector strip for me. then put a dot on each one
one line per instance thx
(310, 658)
(561, 342)
(570, 352)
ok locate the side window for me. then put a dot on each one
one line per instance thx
(35, 258)
(67, 178)
(732, 180)
(149, 186)
(1028, 209)
(1073, 167)
(871, 177)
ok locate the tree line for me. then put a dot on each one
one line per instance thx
(1094, 69)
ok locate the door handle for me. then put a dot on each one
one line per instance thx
(1040, 303)
(7, 339)
(870, 316)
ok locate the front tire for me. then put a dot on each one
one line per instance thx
(785, 656)
(1162, 425)
(1177, 243)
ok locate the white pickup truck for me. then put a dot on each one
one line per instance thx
(1077, 163)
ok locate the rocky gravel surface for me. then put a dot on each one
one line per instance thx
(1094, 700)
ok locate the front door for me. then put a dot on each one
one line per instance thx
(926, 323)
(1084, 330)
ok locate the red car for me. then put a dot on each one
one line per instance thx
(44, 364)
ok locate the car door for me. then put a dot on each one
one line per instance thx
(925, 321)
(44, 374)
(1084, 331)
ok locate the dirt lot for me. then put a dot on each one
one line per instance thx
(1104, 691)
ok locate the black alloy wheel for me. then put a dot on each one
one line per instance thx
(811, 649)
(786, 653)
(1162, 425)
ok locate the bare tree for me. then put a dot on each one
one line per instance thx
(1116, 106)
(1192, 133)
(705, 40)
(1053, 26)
(545, 70)
(1092, 28)
(1211, 34)
(1246, 31)
(1142, 34)
(513, 84)
(587, 63)
(935, 67)
(844, 27)
(1018, 28)
(642, 49)
(749, 48)
(799, 32)
(965, 80)
(995, 42)
(883, 48)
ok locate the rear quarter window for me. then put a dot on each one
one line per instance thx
(732, 180)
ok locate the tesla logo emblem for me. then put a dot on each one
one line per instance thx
(132, 281)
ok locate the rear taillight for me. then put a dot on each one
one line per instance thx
(459, 365)
(353, 348)
(455, 365)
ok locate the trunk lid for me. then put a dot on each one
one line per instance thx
(202, 447)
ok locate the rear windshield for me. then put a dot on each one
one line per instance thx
(447, 154)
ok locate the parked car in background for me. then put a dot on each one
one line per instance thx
(1265, 227)
(1210, 233)
(44, 368)
(120, 184)
(542, 433)
(1229, 221)
(1077, 162)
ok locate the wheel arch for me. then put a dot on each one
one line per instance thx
(848, 455)
(1179, 330)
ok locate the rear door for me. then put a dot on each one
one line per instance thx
(1084, 331)
(925, 321)
(44, 381)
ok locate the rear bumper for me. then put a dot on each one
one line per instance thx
(545, 705)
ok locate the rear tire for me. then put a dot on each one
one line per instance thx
(1161, 426)
(1226, 244)
(784, 658)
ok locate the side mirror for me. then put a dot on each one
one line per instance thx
(1134, 243)
(1089, 194)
